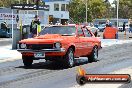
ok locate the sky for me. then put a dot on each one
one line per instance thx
(111, 1)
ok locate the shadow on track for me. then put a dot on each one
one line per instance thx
(52, 65)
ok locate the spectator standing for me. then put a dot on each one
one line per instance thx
(108, 23)
(35, 27)
(130, 27)
(124, 24)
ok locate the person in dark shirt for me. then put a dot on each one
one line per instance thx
(130, 27)
(124, 24)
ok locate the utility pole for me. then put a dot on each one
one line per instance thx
(86, 11)
(27, 3)
(117, 12)
(19, 1)
(37, 4)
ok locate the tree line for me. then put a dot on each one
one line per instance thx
(98, 9)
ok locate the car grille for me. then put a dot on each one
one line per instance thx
(39, 46)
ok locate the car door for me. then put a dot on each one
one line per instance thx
(89, 41)
(81, 46)
(78, 50)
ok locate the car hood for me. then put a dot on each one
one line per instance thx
(47, 38)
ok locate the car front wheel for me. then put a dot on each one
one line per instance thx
(69, 58)
(27, 61)
(94, 55)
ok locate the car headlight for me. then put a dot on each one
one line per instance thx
(23, 46)
(57, 45)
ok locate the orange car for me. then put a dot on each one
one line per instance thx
(110, 33)
(62, 43)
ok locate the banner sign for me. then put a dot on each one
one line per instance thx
(7, 16)
(29, 7)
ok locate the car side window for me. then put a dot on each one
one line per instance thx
(87, 33)
(80, 32)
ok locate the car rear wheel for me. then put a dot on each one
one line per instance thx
(94, 55)
(69, 58)
(27, 61)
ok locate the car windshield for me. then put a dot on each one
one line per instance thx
(63, 30)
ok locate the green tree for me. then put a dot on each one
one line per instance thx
(96, 9)
(77, 10)
(125, 8)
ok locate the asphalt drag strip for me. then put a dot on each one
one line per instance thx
(53, 75)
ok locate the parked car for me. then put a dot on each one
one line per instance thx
(60, 43)
(120, 28)
(101, 27)
(110, 33)
(5, 33)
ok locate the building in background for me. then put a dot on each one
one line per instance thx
(58, 11)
